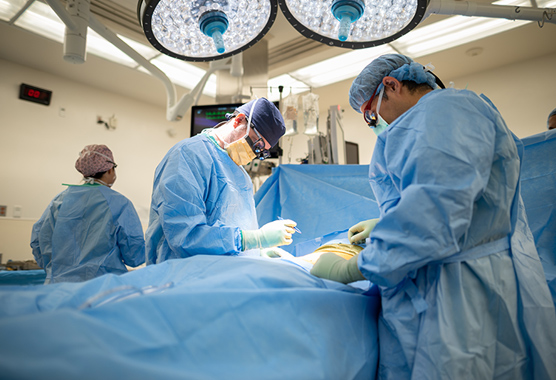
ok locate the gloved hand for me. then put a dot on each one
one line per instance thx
(271, 234)
(361, 230)
(275, 252)
(332, 267)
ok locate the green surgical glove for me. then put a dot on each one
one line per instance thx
(270, 235)
(333, 267)
(275, 253)
(361, 230)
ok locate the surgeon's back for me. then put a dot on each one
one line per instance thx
(85, 232)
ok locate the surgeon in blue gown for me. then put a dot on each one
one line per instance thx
(202, 200)
(462, 288)
(88, 230)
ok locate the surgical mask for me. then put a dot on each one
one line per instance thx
(92, 181)
(240, 152)
(380, 125)
(104, 183)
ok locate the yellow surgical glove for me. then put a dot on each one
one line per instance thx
(270, 235)
(332, 267)
(361, 230)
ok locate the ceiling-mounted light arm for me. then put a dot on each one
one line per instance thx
(21, 10)
(175, 110)
(76, 18)
(466, 8)
(113, 38)
(236, 69)
(60, 10)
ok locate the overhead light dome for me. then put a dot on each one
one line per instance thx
(354, 24)
(205, 30)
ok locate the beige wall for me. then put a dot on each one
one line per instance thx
(40, 144)
(15, 236)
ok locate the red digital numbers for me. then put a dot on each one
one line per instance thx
(34, 93)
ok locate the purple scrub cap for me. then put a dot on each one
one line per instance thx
(94, 159)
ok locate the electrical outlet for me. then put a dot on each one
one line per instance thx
(17, 211)
(113, 122)
(3, 210)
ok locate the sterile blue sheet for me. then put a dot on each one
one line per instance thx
(204, 317)
(22, 277)
(322, 199)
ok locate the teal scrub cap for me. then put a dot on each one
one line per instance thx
(397, 66)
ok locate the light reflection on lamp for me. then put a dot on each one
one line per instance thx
(372, 22)
(205, 30)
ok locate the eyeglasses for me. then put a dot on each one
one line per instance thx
(258, 146)
(113, 163)
(370, 117)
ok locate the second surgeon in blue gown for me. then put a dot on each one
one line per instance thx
(463, 291)
(202, 201)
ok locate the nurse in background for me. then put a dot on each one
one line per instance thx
(88, 230)
(463, 292)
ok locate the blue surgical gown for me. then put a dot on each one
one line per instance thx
(85, 232)
(201, 200)
(463, 290)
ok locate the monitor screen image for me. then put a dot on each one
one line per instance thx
(208, 116)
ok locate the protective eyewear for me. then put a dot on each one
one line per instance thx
(258, 146)
(113, 163)
(370, 117)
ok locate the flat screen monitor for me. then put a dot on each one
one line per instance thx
(352, 153)
(208, 116)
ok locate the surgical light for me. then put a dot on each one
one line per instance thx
(354, 24)
(205, 30)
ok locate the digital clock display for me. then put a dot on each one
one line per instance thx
(34, 94)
